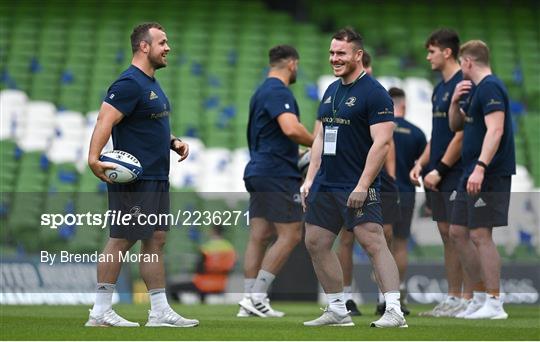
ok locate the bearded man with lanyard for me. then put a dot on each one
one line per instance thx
(342, 186)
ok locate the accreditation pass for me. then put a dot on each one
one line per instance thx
(330, 140)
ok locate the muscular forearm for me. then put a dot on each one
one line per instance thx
(456, 119)
(453, 151)
(301, 136)
(315, 161)
(491, 142)
(100, 136)
(424, 157)
(294, 130)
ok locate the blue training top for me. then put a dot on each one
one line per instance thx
(144, 131)
(357, 106)
(441, 135)
(410, 142)
(488, 96)
(272, 153)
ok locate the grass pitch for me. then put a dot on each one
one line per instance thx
(218, 322)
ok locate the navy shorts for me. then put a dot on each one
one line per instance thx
(275, 199)
(389, 199)
(147, 197)
(402, 227)
(487, 209)
(327, 208)
(441, 202)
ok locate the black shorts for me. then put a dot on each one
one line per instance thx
(487, 209)
(441, 202)
(389, 199)
(327, 208)
(402, 227)
(275, 199)
(147, 197)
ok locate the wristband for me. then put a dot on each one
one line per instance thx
(482, 164)
(173, 140)
(442, 169)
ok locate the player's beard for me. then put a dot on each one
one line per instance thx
(347, 69)
(292, 78)
(156, 62)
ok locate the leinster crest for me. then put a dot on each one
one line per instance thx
(351, 101)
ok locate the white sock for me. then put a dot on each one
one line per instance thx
(104, 293)
(158, 300)
(479, 297)
(336, 303)
(347, 292)
(248, 285)
(381, 298)
(392, 300)
(262, 283)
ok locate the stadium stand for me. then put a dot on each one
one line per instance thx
(56, 63)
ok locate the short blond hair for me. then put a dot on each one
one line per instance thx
(476, 49)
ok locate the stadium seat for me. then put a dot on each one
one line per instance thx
(12, 107)
(36, 126)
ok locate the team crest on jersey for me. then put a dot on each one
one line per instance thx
(351, 101)
(328, 100)
(287, 106)
(153, 95)
(445, 97)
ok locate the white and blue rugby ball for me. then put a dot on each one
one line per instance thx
(128, 168)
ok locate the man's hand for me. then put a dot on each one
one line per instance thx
(304, 192)
(415, 173)
(181, 148)
(474, 183)
(357, 198)
(462, 88)
(432, 180)
(99, 167)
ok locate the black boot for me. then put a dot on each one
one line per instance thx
(404, 309)
(352, 308)
(381, 308)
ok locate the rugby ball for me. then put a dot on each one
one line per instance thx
(303, 162)
(128, 168)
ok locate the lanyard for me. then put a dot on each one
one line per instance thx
(334, 108)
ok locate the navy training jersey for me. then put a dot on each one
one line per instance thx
(441, 135)
(410, 142)
(144, 131)
(271, 152)
(488, 96)
(358, 105)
